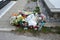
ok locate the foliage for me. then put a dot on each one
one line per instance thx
(46, 30)
(19, 29)
(34, 0)
(13, 0)
(28, 1)
(51, 30)
(37, 9)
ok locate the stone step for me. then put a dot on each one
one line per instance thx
(7, 29)
(54, 24)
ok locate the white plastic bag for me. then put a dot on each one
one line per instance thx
(31, 19)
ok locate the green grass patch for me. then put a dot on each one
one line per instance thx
(36, 9)
(43, 30)
(46, 30)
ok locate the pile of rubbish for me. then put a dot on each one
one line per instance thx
(28, 20)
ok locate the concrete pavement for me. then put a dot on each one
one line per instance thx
(4, 21)
(14, 36)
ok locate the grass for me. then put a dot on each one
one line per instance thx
(34, 0)
(13, 0)
(19, 29)
(44, 30)
(51, 30)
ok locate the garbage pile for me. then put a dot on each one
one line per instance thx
(28, 20)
